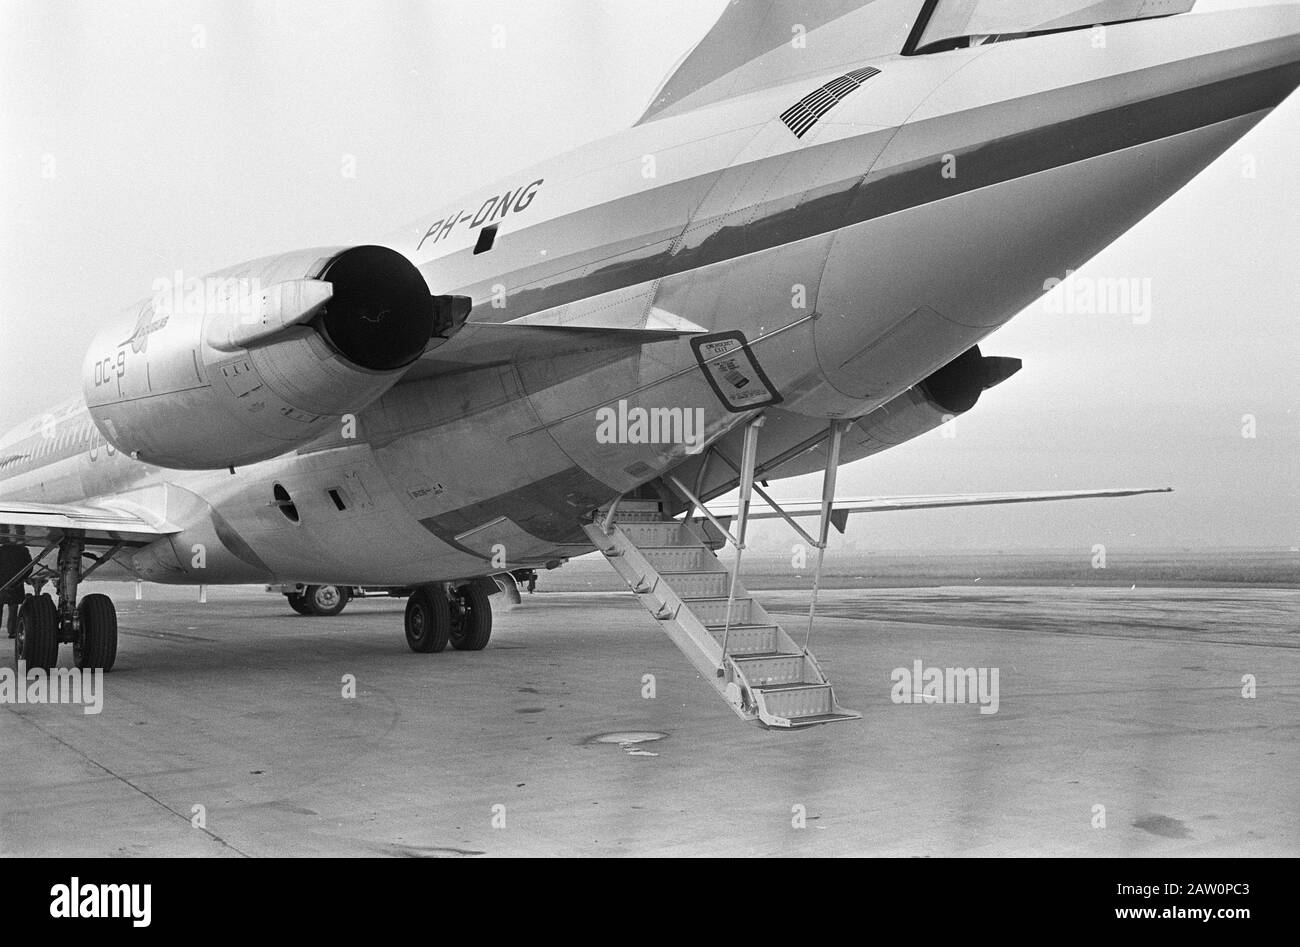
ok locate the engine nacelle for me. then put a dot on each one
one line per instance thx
(952, 390)
(261, 358)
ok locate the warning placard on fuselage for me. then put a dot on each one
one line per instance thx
(733, 372)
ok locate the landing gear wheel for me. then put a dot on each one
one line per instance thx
(471, 619)
(37, 641)
(298, 602)
(428, 620)
(324, 601)
(13, 560)
(96, 646)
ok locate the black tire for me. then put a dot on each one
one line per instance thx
(37, 641)
(298, 603)
(471, 619)
(325, 601)
(13, 560)
(97, 644)
(428, 620)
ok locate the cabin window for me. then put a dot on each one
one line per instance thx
(959, 24)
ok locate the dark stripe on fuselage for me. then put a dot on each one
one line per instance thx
(851, 201)
(1074, 140)
(550, 509)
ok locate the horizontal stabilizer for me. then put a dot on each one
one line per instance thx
(549, 335)
(656, 322)
(842, 508)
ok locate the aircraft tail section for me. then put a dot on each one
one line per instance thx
(757, 44)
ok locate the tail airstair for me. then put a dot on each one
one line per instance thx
(748, 657)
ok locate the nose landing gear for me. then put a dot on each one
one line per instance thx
(320, 601)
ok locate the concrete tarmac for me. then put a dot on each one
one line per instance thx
(1131, 700)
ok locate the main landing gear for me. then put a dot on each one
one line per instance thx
(437, 616)
(38, 626)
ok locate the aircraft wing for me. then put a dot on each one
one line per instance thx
(35, 524)
(843, 507)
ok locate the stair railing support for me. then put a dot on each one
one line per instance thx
(608, 526)
(828, 505)
(772, 503)
(700, 480)
(703, 509)
(748, 464)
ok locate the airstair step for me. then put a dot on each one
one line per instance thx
(692, 585)
(797, 700)
(633, 519)
(641, 511)
(668, 559)
(639, 506)
(749, 639)
(815, 719)
(713, 610)
(768, 670)
(659, 533)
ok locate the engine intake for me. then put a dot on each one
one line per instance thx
(956, 388)
(380, 315)
(950, 391)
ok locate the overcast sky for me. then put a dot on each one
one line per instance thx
(139, 137)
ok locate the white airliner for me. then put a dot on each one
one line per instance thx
(786, 265)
